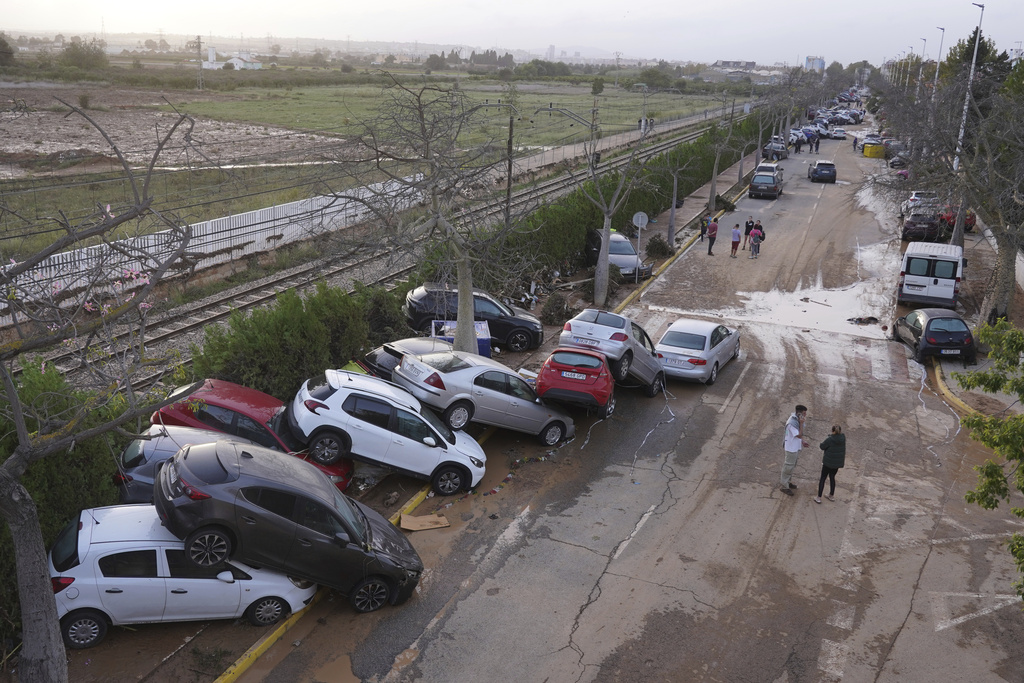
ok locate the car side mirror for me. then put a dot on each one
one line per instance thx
(226, 577)
(342, 538)
(429, 440)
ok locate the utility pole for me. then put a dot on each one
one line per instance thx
(198, 45)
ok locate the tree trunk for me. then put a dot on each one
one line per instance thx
(671, 237)
(712, 204)
(999, 296)
(601, 273)
(465, 331)
(42, 658)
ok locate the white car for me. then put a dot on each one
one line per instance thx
(119, 565)
(697, 349)
(838, 133)
(341, 414)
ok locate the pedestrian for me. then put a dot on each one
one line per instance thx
(799, 142)
(817, 144)
(854, 143)
(704, 223)
(712, 234)
(735, 240)
(755, 240)
(832, 460)
(747, 227)
(794, 441)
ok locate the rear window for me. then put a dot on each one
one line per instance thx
(947, 325)
(65, 549)
(826, 167)
(763, 180)
(592, 315)
(685, 340)
(577, 360)
(945, 269)
(203, 464)
(444, 362)
(134, 455)
(319, 388)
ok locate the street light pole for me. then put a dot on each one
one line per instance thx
(938, 58)
(910, 57)
(967, 96)
(920, 72)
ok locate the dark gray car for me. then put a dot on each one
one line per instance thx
(272, 510)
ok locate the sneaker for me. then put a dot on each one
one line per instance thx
(817, 500)
(792, 485)
(832, 498)
(751, 256)
(785, 490)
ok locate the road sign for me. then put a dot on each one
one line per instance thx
(640, 219)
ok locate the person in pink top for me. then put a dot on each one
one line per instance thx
(735, 240)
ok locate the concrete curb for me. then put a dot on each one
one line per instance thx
(948, 394)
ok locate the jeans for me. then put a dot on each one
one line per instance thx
(711, 243)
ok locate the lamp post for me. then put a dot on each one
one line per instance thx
(938, 58)
(910, 56)
(920, 72)
(967, 96)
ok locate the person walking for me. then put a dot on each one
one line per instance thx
(755, 240)
(832, 460)
(799, 142)
(704, 222)
(793, 442)
(747, 227)
(712, 234)
(735, 240)
(854, 143)
(817, 144)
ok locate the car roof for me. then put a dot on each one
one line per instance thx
(171, 438)
(932, 313)
(257, 464)
(417, 346)
(238, 398)
(130, 523)
(343, 379)
(693, 325)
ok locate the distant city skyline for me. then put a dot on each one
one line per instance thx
(702, 32)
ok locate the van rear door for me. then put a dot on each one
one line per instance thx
(943, 279)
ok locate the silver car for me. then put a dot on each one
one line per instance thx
(621, 253)
(697, 349)
(628, 348)
(467, 387)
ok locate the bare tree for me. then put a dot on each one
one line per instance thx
(100, 319)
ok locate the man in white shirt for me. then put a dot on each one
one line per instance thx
(794, 441)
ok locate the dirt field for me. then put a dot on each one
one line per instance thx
(38, 135)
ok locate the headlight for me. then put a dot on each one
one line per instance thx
(476, 461)
(301, 584)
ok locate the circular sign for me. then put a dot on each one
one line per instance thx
(640, 219)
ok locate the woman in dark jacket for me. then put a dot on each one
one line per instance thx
(832, 460)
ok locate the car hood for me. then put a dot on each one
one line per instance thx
(628, 261)
(523, 313)
(388, 540)
(468, 446)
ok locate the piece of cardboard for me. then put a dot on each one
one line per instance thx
(435, 521)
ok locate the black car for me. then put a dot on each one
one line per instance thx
(269, 509)
(825, 171)
(936, 332)
(512, 328)
(921, 226)
(763, 184)
(775, 151)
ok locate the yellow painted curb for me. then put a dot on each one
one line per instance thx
(243, 663)
(945, 391)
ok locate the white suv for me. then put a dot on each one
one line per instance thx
(119, 565)
(341, 414)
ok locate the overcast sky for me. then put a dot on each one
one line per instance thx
(702, 31)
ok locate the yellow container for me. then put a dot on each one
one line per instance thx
(874, 151)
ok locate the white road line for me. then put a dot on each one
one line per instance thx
(746, 366)
(842, 615)
(636, 530)
(944, 613)
(832, 658)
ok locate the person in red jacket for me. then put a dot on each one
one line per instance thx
(712, 234)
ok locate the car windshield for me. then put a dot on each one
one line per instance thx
(947, 325)
(444, 362)
(435, 422)
(65, 549)
(134, 454)
(621, 247)
(684, 340)
(352, 515)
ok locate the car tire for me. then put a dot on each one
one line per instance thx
(620, 368)
(207, 547)
(518, 341)
(458, 415)
(552, 434)
(83, 628)
(918, 356)
(328, 447)
(266, 611)
(895, 333)
(655, 387)
(713, 377)
(370, 594)
(608, 408)
(449, 480)
(736, 352)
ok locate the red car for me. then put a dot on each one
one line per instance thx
(580, 377)
(948, 216)
(240, 411)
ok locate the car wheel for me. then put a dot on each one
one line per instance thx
(448, 480)
(713, 376)
(83, 628)
(736, 352)
(552, 434)
(458, 415)
(918, 355)
(608, 408)
(370, 594)
(620, 368)
(655, 387)
(895, 333)
(519, 340)
(207, 547)
(266, 611)
(327, 448)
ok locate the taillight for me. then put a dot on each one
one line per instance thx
(435, 381)
(191, 491)
(968, 341)
(59, 583)
(312, 406)
(903, 277)
(956, 287)
(567, 327)
(932, 340)
(697, 361)
(620, 337)
(122, 478)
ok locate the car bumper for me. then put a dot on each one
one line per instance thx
(937, 302)
(693, 373)
(576, 398)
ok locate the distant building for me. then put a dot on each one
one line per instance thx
(244, 60)
(815, 64)
(730, 65)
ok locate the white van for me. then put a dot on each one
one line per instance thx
(931, 274)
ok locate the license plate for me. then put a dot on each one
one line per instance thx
(951, 352)
(414, 371)
(915, 288)
(172, 472)
(675, 361)
(573, 375)
(585, 342)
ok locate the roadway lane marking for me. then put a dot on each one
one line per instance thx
(842, 615)
(636, 530)
(832, 658)
(734, 388)
(944, 613)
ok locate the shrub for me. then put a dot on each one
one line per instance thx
(556, 310)
(658, 247)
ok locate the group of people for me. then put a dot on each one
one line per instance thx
(753, 234)
(813, 143)
(833, 457)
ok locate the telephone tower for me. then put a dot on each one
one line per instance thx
(198, 45)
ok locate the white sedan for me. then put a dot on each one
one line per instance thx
(697, 349)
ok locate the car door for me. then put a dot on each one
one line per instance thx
(130, 587)
(196, 592)
(408, 451)
(524, 413)
(645, 359)
(323, 551)
(264, 519)
(248, 428)
(941, 282)
(910, 330)
(490, 397)
(368, 426)
(498, 324)
(716, 348)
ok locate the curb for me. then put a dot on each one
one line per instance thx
(947, 393)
